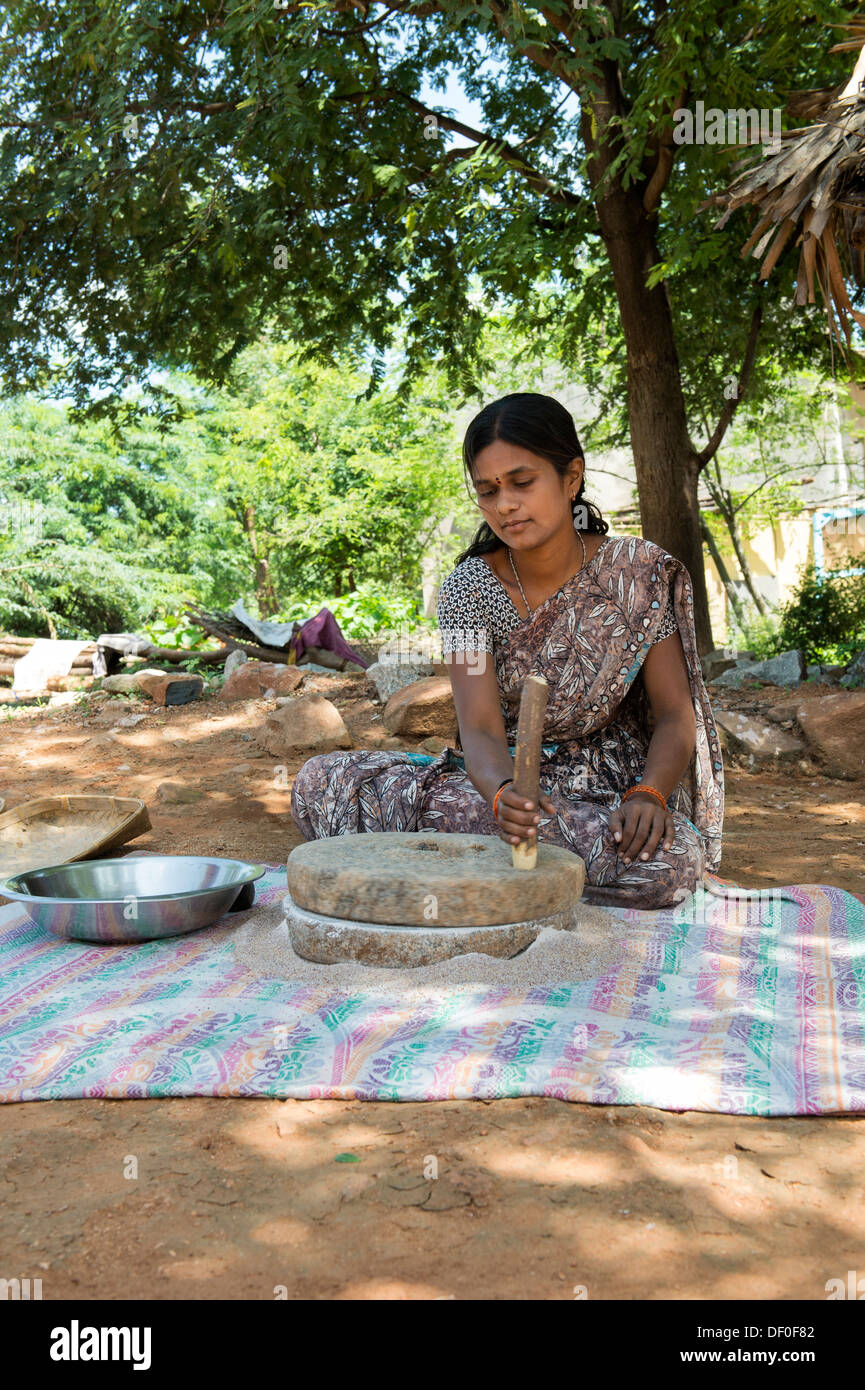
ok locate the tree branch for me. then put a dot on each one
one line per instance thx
(742, 381)
(506, 152)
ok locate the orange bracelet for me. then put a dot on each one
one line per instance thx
(506, 783)
(651, 791)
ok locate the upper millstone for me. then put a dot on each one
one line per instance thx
(429, 879)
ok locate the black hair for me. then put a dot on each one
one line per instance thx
(544, 427)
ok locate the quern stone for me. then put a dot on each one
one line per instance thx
(328, 941)
(431, 879)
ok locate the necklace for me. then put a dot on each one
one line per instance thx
(517, 577)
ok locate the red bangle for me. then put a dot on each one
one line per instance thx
(498, 794)
(650, 791)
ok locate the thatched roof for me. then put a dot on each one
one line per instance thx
(813, 180)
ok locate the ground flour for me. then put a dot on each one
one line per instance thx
(594, 947)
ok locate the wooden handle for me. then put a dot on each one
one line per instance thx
(527, 759)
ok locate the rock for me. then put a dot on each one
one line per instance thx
(232, 661)
(309, 722)
(424, 708)
(125, 684)
(834, 727)
(176, 794)
(765, 742)
(113, 707)
(788, 668)
(736, 677)
(390, 676)
(252, 678)
(431, 879)
(434, 745)
(722, 659)
(172, 690)
(315, 669)
(130, 721)
(854, 672)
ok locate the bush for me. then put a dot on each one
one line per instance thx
(758, 634)
(825, 617)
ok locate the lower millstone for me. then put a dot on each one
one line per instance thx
(428, 879)
(331, 940)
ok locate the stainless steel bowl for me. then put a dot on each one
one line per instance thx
(133, 899)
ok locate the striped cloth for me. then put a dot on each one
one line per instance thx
(753, 1006)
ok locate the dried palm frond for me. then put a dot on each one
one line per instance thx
(813, 179)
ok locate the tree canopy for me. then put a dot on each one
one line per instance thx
(182, 177)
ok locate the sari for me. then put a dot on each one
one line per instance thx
(589, 641)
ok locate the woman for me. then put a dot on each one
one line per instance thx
(631, 771)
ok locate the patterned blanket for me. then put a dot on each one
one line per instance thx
(753, 1005)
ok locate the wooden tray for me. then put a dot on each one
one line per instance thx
(59, 829)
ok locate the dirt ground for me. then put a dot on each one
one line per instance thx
(243, 1199)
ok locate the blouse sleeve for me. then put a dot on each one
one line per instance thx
(463, 620)
(668, 622)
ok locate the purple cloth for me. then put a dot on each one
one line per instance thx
(323, 631)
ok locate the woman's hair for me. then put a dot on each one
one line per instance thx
(543, 427)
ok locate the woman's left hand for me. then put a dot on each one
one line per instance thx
(639, 825)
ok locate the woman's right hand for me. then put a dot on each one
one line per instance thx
(518, 817)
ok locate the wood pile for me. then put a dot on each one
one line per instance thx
(13, 648)
(235, 636)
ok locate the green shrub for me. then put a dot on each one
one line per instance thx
(825, 617)
(758, 634)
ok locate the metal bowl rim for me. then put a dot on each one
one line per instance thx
(258, 871)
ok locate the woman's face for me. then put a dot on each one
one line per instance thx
(522, 497)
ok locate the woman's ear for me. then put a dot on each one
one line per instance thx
(576, 470)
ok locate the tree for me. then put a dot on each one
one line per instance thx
(757, 476)
(178, 180)
(280, 487)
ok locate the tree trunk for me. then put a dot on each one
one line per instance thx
(747, 574)
(729, 586)
(264, 591)
(665, 461)
(727, 511)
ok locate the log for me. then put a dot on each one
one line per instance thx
(16, 649)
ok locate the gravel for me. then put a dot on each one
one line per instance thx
(595, 947)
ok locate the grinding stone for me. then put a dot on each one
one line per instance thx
(331, 940)
(430, 879)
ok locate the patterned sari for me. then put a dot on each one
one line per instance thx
(589, 641)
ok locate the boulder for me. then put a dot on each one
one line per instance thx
(422, 709)
(765, 742)
(125, 683)
(788, 668)
(172, 690)
(722, 659)
(735, 677)
(834, 727)
(232, 661)
(251, 679)
(309, 722)
(390, 676)
(854, 672)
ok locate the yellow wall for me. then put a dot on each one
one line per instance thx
(776, 551)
